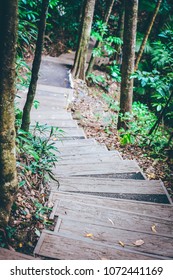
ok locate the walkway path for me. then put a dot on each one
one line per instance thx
(105, 208)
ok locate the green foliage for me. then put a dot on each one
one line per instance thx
(37, 151)
(140, 122)
(41, 214)
(27, 27)
(114, 71)
(96, 79)
(154, 86)
(23, 74)
(101, 33)
(112, 104)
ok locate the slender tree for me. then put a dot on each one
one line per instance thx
(99, 43)
(129, 41)
(35, 67)
(144, 41)
(120, 32)
(79, 66)
(8, 174)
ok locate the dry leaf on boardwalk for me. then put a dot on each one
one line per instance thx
(121, 243)
(90, 235)
(138, 242)
(111, 221)
(153, 228)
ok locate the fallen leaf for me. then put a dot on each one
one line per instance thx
(153, 228)
(89, 235)
(151, 176)
(19, 199)
(139, 242)
(28, 216)
(111, 221)
(20, 245)
(121, 243)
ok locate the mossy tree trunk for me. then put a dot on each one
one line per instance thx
(144, 41)
(99, 43)
(79, 66)
(8, 174)
(129, 42)
(35, 67)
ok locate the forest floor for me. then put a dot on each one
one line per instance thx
(93, 113)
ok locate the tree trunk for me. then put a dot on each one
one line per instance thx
(35, 67)
(129, 39)
(78, 70)
(144, 41)
(8, 174)
(120, 32)
(98, 43)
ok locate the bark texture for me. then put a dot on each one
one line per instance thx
(120, 32)
(35, 67)
(99, 43)
(8, 174)
(144, 41)
(129, 42)
(78, 70)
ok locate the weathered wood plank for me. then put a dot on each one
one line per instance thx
(106, 157)
(153, 244)
(120, 167)
(60, 123)
(62, 247)
(48, 115)
(142, 190)
(54, 89)
(6, 254)
(81, 184)
(106, 216)
(77, 142)
(81, 150)
(144, 208)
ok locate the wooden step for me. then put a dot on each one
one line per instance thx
(81, 150)
(58, 246)
(106, 216)
(54, 89)
(163, 211)
(77, 142)
(124, 169)
(63, 124)
(43, 116)
(72, 133)
(142, 190)
(6, 254)
(110, 235)
(106, 157)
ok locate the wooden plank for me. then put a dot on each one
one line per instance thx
(109, 235)
(54, 89)
(81, 150)
(48, 115)
(106, 157)
(60, 123)
(81, 184)
(121, 166)
(62, 247)
(72, 133)
(6, 254)
(162, 211)
(106, 216)
(77, 142)
(142, 190)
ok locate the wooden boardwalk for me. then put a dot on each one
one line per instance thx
(104, 207)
